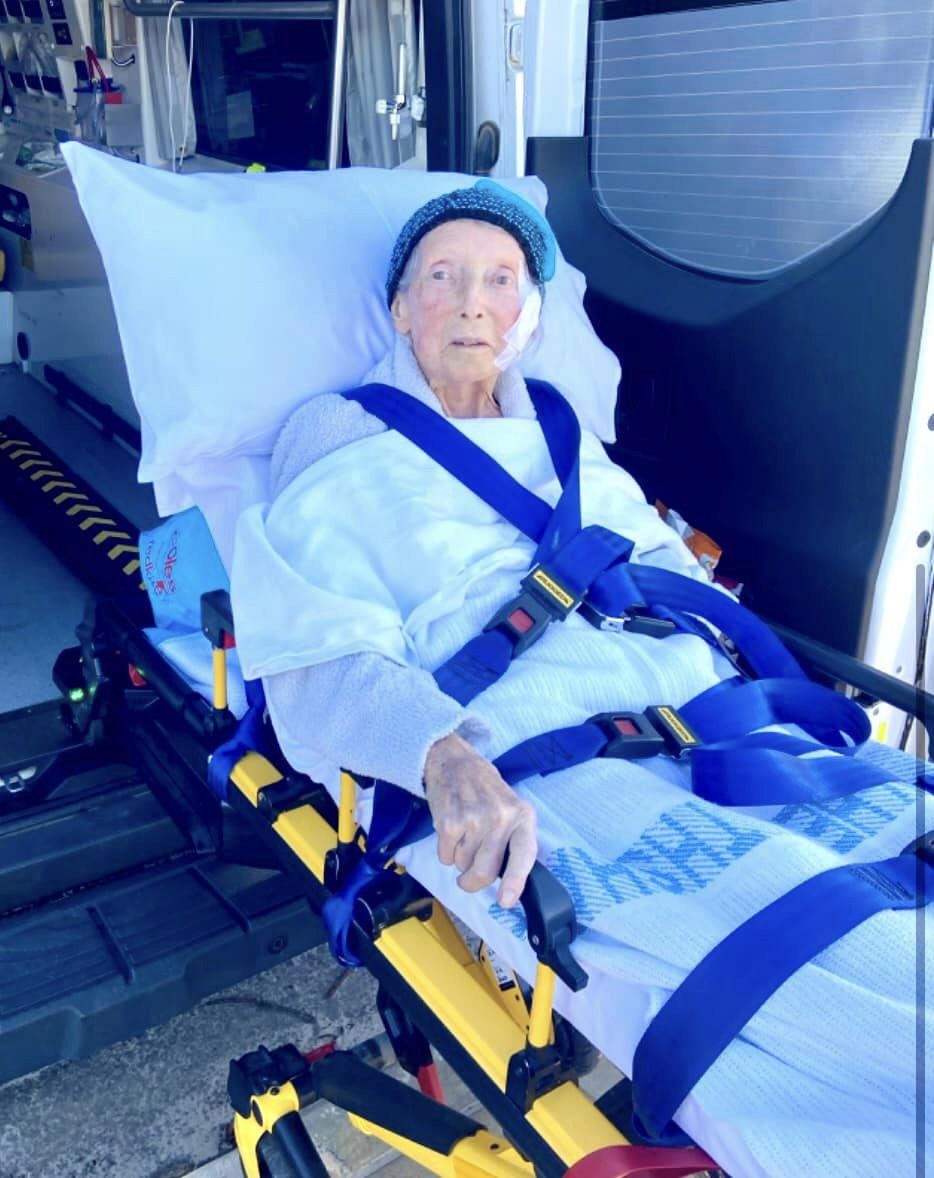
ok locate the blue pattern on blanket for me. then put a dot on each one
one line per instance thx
(687, 847)
(682, 851)
(902, 765)
(843, 823)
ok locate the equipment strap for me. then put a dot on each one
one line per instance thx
(249, 737)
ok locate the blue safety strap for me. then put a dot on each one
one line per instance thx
(484, 659)
(622, 586)
(464, 459)
(399, 819)
(734, 707)
(550, 752)
(627, 585)
(732, 768)
(249, 737)
(562, 432)
(723, 992)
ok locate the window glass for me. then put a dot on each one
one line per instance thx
(741, 138)
(261, 90)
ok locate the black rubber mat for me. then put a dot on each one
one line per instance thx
(110, 961)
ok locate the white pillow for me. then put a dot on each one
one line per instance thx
(238, 296)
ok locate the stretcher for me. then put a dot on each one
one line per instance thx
(519, 1060)
(500, 1035)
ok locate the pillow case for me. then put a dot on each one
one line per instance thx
(238, 296)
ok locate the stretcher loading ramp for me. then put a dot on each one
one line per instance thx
(111, 921)
(95, 540)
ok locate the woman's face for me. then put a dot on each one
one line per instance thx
(463, 298)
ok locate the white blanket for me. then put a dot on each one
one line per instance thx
(374, 548)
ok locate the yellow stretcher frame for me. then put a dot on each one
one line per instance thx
(483, 1027)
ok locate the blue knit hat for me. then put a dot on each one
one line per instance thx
(485, 201)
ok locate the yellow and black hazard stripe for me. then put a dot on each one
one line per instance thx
(97, 542)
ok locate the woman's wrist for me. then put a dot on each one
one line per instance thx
(442, 753)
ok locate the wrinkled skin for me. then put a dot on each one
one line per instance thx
(463, 297)
(478, 817)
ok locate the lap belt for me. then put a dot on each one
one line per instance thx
(722, 993)
(762, 769)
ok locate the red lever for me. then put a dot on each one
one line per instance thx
(430, 1082)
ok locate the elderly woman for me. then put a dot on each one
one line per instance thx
(373, 566)
(465, 288)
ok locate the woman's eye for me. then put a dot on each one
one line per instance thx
(440, 275)
(504, 280)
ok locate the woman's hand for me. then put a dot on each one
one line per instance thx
(477, 817)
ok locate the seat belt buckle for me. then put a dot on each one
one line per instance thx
(543, 600)
(630, 735)
(658, 730)
(636, 620)
(675, 731)
(640, 621)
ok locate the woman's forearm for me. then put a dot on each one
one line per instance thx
(367, 714)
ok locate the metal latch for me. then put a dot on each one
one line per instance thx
(18, 781)
(515, 44)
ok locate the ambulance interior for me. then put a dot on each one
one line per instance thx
(765, 291)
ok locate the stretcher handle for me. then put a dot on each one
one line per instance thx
(297, 1148)
(364, 1091)
(878, 685)
(217, 617)
(552, 924)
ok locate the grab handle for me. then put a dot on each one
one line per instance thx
(552, 925)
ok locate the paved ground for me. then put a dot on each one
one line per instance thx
(155, 1106)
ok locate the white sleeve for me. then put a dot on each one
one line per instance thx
(367, 714)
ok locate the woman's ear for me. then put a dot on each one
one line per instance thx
(400, 313)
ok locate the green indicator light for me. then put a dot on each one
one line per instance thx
(76, 695)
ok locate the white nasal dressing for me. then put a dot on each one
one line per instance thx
(521, 331)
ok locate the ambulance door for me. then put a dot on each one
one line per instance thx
(749, 189)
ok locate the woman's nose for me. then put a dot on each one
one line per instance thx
(472, 303)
